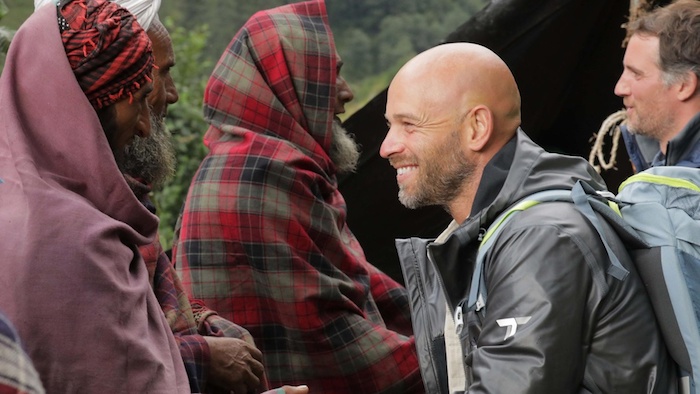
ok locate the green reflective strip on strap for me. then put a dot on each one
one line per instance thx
(519, 207)
(613, 205)
(660, 180)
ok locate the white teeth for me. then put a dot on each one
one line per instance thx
(403, 170)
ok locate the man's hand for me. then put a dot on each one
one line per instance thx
(236, 365)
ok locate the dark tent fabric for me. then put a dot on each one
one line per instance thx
(566, 56)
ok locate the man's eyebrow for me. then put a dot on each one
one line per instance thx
(634, 69)
(402, 116)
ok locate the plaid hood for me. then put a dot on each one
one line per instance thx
(277, 86)
(263, 237)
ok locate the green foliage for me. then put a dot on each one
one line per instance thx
(370, 86)
(372, 36)
(184, 121)
(224, 16)
(383, 33)
(5, 35)
(18, 12)
(376, 37)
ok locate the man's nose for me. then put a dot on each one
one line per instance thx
(390, 145)
(621, 87)
(171, 95)
(345, 94)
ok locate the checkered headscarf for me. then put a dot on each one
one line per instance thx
(264, 239)
(108, 50)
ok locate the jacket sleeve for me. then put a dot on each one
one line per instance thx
(537, 280)
(268, 248)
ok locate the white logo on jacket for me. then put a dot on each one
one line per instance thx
(512, 324)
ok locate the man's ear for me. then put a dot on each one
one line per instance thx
(143, 126)
(688, 86)
(479, 124)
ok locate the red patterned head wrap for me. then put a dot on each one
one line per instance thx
(107, 49)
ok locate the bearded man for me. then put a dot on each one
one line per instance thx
(73, 95)
(219, 356)
(263, 237)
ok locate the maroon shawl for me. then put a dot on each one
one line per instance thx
(72, 279)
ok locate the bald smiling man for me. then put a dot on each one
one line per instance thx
(455, 141)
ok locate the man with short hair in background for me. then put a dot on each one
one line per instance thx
(659, 87)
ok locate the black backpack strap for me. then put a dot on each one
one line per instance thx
(477, 291)
(587, 201)
(582, 194)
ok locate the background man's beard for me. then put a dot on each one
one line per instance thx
(654, 124)
(150, 160)
(645, 130)
(344, 150)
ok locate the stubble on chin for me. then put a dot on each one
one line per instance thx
(407, 200)
(440, 177)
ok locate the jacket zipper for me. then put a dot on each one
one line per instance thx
(458, 311)
(459, 318)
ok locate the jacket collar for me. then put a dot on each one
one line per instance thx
(683, 149)
(641, 149)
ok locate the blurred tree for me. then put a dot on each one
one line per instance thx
(357, 54)
(361, 28)
(17, 12)
(5, 35)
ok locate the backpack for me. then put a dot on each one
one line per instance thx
(656, 214)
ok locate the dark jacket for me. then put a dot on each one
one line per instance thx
(682, 150)
(586, 332)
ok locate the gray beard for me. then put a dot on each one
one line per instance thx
(150, 160)
(345, 152)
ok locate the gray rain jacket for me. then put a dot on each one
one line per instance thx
(585, 331)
